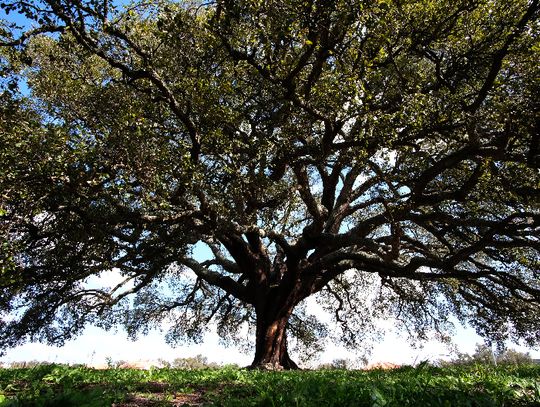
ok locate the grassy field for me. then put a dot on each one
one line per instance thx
(478, 385)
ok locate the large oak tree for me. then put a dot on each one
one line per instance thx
(380, 155)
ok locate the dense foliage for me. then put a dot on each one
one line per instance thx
(226, 161)
(422, 386)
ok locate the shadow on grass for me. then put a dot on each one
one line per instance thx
(476, 386)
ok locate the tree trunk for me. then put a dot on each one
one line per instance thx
(271, 344)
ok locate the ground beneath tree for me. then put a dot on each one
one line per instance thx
(161, 399)
(478, 385)
(161, 394)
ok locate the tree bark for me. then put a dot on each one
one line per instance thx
(271, 344)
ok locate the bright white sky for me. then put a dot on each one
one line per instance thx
(96, 345)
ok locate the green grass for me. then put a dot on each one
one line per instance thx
(478, 385)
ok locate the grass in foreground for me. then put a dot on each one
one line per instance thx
(478, 385)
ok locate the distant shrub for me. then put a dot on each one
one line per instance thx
(28, 364)
(164, 363)
(514, 357)
(114, 364)
(336, 364)
(195, 362)
(484, 354)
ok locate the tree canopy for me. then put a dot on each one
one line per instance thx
(382, 156)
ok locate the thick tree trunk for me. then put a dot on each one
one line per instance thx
(271, 345)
